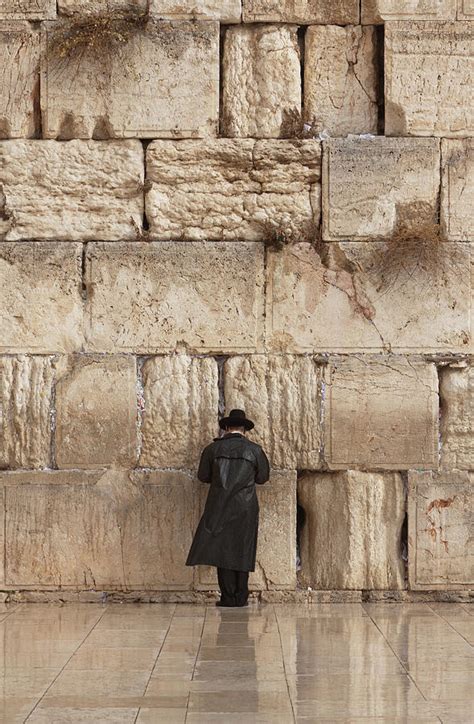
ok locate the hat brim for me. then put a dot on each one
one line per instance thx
(236, 422)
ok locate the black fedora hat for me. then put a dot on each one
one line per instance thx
(236, 418)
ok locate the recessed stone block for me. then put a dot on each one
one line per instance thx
(181, 401)
(457, 417)
(381, 413)
(335, 12)
(19, 79)
(441, 530)
(27, 9)
(226, 189)
(376, 11)
(100, 7)
(457, 194)
(428, 79)
(156, 297)
(352, 532)
(465, 9)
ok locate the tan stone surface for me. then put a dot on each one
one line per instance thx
(100, 529)
(96, 412)
(227, 11)
(88, 190)
(369, 186)
(232, 189)
(261, 80)
(25, 399)
(181, 400)
(441, 530)
(465, 9)
(155, 297)
(381, 413)
(428, 79)
(27, 9)
(351, 536)
(160, 82)
(282, 395)
(340, 79)
(457, 417)
(40, 297)
(376, 11)
(19, 79)
(457, 191)
(337, 12)
(341, 305)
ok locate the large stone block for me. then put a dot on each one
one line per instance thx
(332, 12)
(441, 530)
(340, 79)
(261, 81)
(155, 297)
(71, 191)
(226, 189)
(40, 297)
(101, 529)
(282, 395)
(162, 81)
(457, 417)
(457, 191)
(26, 385)
(27, 9)
(371, 186)
(227, 11)
(381, 413)
(428, 79)
(96, 412)
(465, 9)
(181, 401)
(19, 79)
(351, 538)
(376, 11)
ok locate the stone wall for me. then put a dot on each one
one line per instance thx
(211, 204)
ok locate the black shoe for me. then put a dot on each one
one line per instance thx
(225, 604)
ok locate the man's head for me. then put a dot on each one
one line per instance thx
(236, 429)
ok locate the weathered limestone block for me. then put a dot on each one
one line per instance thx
(282, 395)
(100, 529)
(40, 297)
(155, 297)
(381, 413)
(465, 9)
(161, 81)
(227, 11)
(181, 401)
(262, 80)
(71, 191)
(100, 7)
(371, 186)
(19, 79)
(428, 79)
(441, 530)
(27, 9)
(457, 417)
(457, 191)
(376, 11)
(96, 412)
(351, 535)
(25, 400)
(340, 79)
(226, 189)
(332, 12)
(275, 566)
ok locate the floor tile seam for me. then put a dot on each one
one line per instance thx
(450, 625)
(160, 648)
(195, 664)
(284, 666)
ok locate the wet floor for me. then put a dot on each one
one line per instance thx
(147, 663)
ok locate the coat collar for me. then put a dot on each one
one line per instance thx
(227, 435)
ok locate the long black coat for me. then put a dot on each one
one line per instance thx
(226, 536)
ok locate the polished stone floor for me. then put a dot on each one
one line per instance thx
(149, 663)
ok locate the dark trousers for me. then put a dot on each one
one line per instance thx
(234, 586)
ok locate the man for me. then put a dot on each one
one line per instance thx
(227, 533)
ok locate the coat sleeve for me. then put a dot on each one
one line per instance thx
(263, 468)
(205, 465)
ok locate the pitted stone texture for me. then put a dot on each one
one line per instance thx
(262, 80)
(465, 9)
(100, 7)
(457, 417)
(40, 297)
(181, 401)
(376, 11)
(19, 79)
(275, 566)
(370, 186)
(25, 399)
(71, 191)
(27, 9)
(96, 412)
(381, 413)
(232, 189)
(351, 535)
(457, 194)
(428, 79)
(339, 305)
(227, 11)
(86, 96)
(335, 12)
(282, 395)
(340, 87)
(441, 530)
(156, 297)
(102, 529)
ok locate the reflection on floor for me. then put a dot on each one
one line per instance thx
(149, 663)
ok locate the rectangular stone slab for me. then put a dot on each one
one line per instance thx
(330, 12)
(465, 9)
(457, 417)
(378, 11)
(227, 11)
(157, 297)
(19, 79)
(428, 79)
(441, 530)
(27, 9)
(457, 190)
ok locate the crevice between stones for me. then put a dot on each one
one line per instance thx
(380, 66)
(221, 360)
